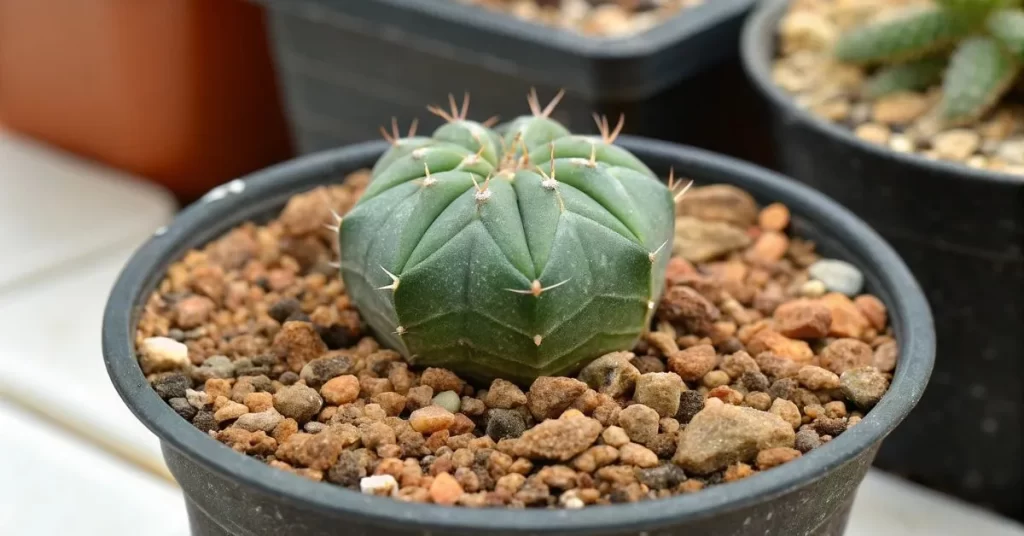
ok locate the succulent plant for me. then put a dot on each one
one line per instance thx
(974, 47)
(511, 252)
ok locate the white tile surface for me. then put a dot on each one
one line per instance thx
(53, 361)
(55, 208)
(52, 484)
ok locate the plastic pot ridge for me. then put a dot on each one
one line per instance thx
(229, 493)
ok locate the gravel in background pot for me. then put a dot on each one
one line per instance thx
(230, 494)
(961, 231)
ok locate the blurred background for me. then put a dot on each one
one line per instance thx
(114, 114)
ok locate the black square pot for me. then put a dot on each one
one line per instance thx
(346, 67)
(961, 231)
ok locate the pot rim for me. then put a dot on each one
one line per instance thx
(243, 198)
(764, 21)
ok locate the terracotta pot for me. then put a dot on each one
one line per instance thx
(180, 91)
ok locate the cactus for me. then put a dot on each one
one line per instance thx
(983, 41)
(910, 76)
(512, 252)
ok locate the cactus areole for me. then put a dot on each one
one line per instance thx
(514, 252)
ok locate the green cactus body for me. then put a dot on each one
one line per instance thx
(911, 76)
(1007, 27)
(511, 257)
(910, 36)
(979, 73)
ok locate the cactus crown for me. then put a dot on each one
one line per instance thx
(511, 252)
(974, 47)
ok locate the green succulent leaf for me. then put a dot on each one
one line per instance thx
(911, 76)
(980, 72)
(909, 36)
(1007, 27)
(516, 255)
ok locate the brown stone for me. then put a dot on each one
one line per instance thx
(722, 434)
(803, 319)
(298, 343)
(847, 353)
(549, 396)
(558, 439)
(768, 340)
(694, 362)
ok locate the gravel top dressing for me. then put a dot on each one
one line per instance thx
(904, 120)
(759, 351)
(600, 18)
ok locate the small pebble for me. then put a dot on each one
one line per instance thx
(265, 420)
(813, 289)
(382, 485)
(297, 402)
(448, 400)
(826, 426)
(817, 378)
(161, 354)
(612, 374)
(640, 423)
(182, 407)
(638, 455)
(558, 439)
(431, 419)
(549, 396)
(504, 423)
(204, 421)
(722, 434)
(502, 395)
(807, 440)
(319, 371)
(614, 436)
(217, 366)
(690, 403)
(341, 390)
(173, 385)
(693, 363)
(864, 386)
(660, 392)
(838, 276)
(957, 144)
(445, 490)
(664, 476)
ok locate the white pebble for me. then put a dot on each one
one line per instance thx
(813, 289)
(448, 400)
(162, 354)
(385, 485)
(574, 503)
(838, 276)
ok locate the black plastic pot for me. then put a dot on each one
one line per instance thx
(961, 231)
(228, 493)
(347, 66)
